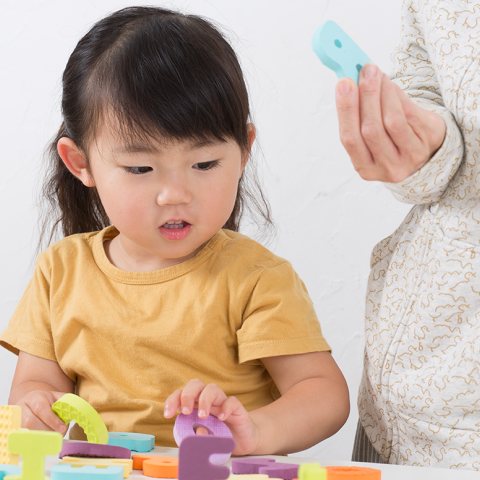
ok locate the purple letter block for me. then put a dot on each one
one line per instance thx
(194, 457)
(287, 471)
(250, 465)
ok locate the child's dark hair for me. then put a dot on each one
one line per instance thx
(162, 74)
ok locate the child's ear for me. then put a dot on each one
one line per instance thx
(252, 133)
(74, 160)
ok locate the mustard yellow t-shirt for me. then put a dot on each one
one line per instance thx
(130, 339)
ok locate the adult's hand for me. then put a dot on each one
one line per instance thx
(386, 135)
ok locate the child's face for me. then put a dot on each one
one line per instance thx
(144, 190)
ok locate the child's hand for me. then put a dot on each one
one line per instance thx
(387, 136)
(37, 413)
(210, 399)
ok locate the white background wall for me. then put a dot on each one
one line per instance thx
(328, 218)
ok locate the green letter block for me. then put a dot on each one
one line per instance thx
(312, 471)
(72, 407)
(33, 445)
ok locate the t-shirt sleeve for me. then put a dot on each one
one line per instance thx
(29, 329)
(279, 318)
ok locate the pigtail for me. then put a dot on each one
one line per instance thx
(68, 203)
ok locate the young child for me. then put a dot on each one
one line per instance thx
(154, 303)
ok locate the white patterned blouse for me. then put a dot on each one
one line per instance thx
(419, 400)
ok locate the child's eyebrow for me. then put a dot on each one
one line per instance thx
(146, 148)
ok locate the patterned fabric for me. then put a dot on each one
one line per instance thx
(419, 400)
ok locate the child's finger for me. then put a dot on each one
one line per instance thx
(38, 415)
(212, 395)
(172, 404)
(190, 395)
(231, 406)
(201, 431)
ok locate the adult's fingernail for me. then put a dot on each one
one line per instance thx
(343, 87)
(369, 70)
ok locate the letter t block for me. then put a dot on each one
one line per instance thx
(33, 446)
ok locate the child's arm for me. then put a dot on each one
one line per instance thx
(36, 386)
(313, 406)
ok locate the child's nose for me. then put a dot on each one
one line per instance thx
(174, 191)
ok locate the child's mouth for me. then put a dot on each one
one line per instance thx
(171, 224)
(175, 230)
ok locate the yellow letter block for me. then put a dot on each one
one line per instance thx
(10, 420)
(101, 462)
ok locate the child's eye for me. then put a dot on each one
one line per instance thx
(206, 165)
(138, 170)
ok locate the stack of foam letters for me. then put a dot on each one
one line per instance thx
(109, 455)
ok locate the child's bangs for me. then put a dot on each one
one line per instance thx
(160, 83)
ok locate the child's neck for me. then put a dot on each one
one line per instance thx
(120, 258)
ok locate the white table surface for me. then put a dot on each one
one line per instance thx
(389, 472)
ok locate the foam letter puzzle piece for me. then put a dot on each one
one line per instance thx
(156, 465)
(136, 442)
(311, 471)
(357, 473)
(10, 420)
(67, 472)
(101, 463)
(185, 426)
(338, 51)
(287, 471)
(139, 459)
(161, 467)
(250, 465)
(33, 446)
(194, 455)
(72, 407)
(9, 470)
(252, 476)
(96, 450)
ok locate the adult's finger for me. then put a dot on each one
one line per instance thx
(372, 128)
(394, 119)
(348, 111)
(429, 127)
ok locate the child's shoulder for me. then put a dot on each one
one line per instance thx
(78, 247)
(245, 251)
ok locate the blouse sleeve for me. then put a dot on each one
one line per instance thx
(417, 76)
(279, 318)
(29, 329)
